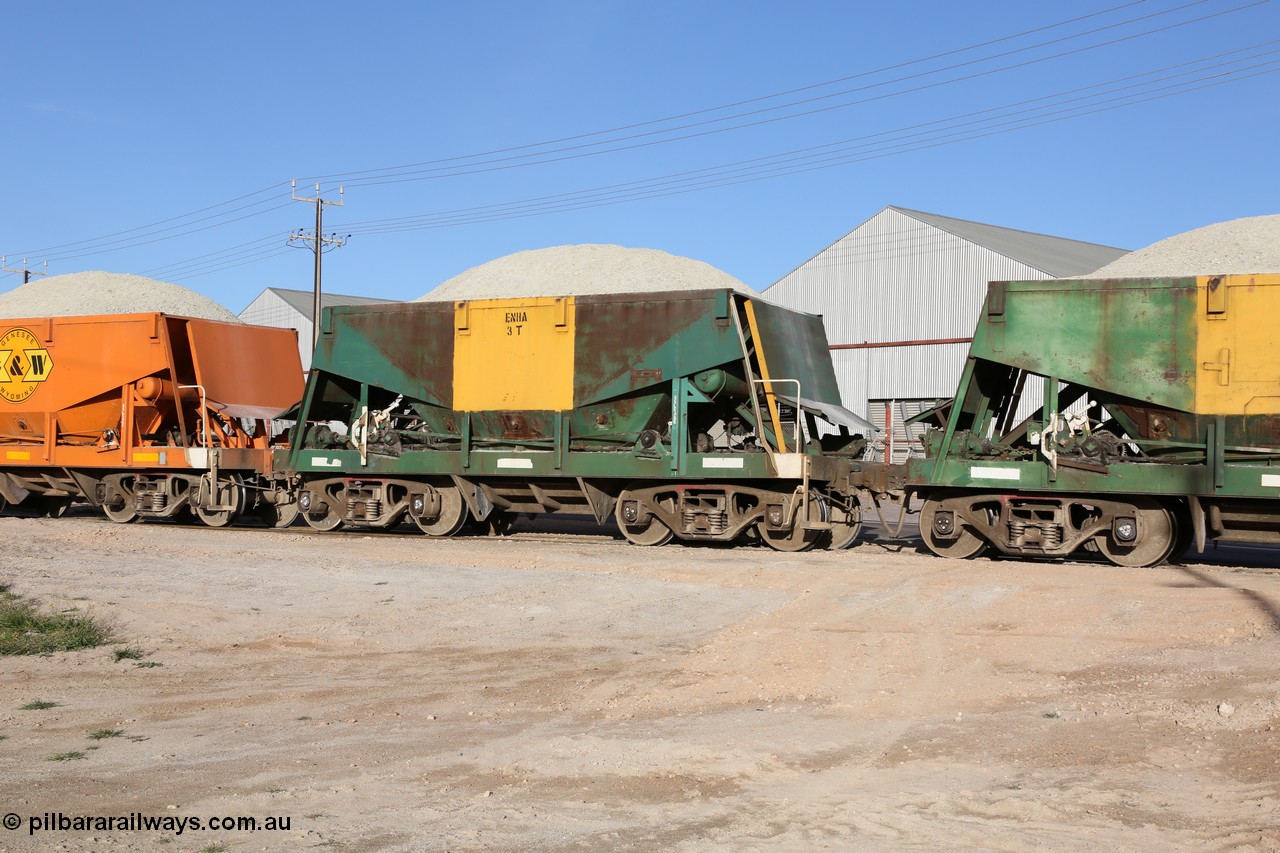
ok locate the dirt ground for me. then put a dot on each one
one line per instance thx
(566, 692)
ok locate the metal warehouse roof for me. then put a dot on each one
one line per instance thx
(1055, 256)
(302, 299)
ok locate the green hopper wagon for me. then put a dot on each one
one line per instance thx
(1160, 423)
(704, 415)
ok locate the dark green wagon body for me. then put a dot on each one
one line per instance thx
(1160, 423)
(695, 413)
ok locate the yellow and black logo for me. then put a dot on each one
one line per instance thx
(24, 364)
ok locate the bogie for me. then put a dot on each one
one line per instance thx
(1127, 531)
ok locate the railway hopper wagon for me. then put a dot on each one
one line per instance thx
(145, 415)
(1160, 423)
(693, 414)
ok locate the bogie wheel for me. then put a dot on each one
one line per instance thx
(453, 515)
(119, 507)
(651, 532)
(1185, 534)
(327, 520)
(229, 493)
(846, 523)
(965, 545)
(277, 515)
(215, 517)
(1157, 538)
(798, 538)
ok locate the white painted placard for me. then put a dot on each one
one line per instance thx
(995, 474)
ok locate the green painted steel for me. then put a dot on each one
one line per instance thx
(383, 345)
(1135, 337)
(796, 346)
(653, 375)
(1130, 347)
(629, 342)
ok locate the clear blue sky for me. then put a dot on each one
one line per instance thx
(131, 116)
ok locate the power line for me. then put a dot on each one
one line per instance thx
(901, 136)
(765, 174)
(896, 141)
(140, 234)
(106, 237)
(351, 176)
(411, 172)
(192, 223)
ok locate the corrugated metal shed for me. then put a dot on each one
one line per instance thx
(291, 309)
(900, 295)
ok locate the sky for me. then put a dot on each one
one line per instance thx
(161, 138)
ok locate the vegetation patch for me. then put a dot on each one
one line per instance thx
(38, 705)
(26, 630)
(102, 734)
(66, 756)
(127, 653)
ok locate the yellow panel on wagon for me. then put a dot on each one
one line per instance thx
(513, 354)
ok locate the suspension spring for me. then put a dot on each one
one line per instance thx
(158, 501)
(372, 509)
(705, 522)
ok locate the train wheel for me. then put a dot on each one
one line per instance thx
(798, 538)
(120, 511)
(846, 524)
(317, 509)
(229, 493)
(277, 515)
(649, 533)
(453, 515)
(327, 520)
(1157, 537)
(1185, 535)
(652, 534)
(967, 544)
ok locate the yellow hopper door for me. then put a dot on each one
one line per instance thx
(513, 354)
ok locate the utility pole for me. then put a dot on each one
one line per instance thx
(26, 273)
(318, 243)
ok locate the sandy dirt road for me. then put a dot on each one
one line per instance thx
(573, 693)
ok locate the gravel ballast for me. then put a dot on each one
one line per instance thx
(88, 293)
(580, 270)
(1237, 247)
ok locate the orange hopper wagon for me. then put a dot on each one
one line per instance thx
(145, 415)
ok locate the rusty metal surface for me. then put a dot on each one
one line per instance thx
(1132, 337)
(247, 371)
(628, 342)
(406, 348)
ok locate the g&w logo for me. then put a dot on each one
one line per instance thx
(24, 364)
